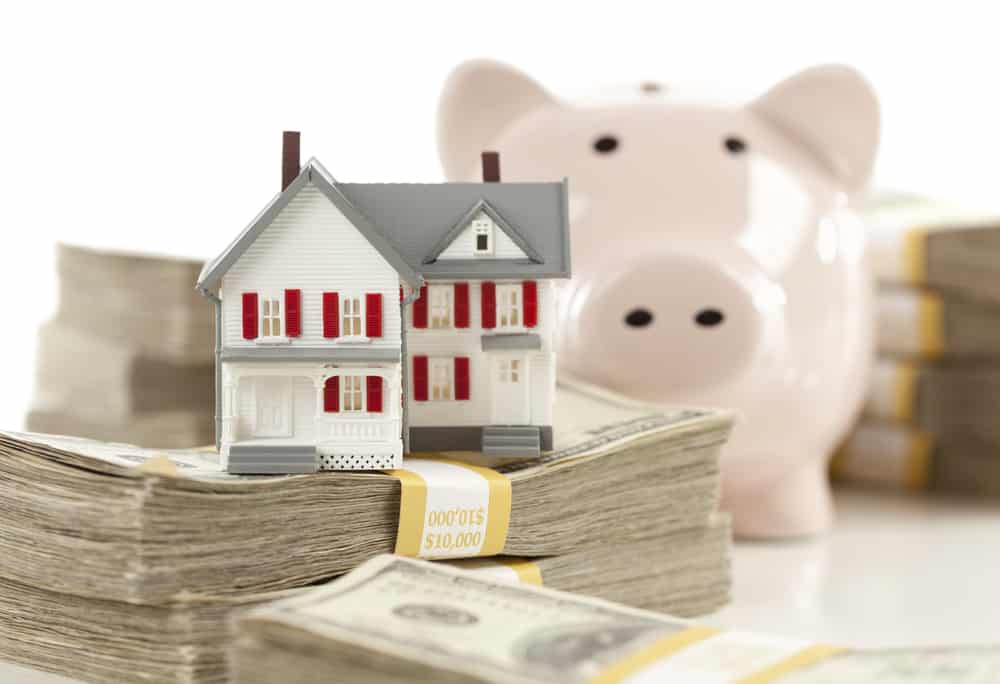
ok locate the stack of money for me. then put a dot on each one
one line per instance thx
(129, 354)
(139, 557)
(929, 420)
(400, 620)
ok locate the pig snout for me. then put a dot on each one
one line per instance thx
(665, 326)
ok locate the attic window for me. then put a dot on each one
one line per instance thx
(482, 230)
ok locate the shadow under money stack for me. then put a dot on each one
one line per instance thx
(930, 417)
(122, 564)
(128, 355)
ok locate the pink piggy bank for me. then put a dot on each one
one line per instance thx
(716, 257)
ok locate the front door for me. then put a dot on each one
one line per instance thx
(511, 399)
(273, 398)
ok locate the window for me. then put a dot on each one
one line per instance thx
(351, 318)
(270, 317)
(482, 229)
(509, 370)
(441, 378)
(440, 305)
(353, 394)
(509, 306)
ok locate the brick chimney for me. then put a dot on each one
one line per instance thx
(289, 158)
(491, 167)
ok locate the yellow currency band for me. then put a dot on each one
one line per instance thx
(804, 658)
(413, 508)
(658, 650)
(915, 255)
(931, 324)
(527, 571)
(904, 391)
(918, 461)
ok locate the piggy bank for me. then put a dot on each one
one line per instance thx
(716, 257)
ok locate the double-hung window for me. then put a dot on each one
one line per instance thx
(442, 381)
(352, 387)
(440, 305)
(351, 323)
(270, 316)
(509, 314)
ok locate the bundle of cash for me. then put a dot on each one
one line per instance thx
(164, 546)
(129, 353)
(187, 640)
(928, 420)
(401, 620)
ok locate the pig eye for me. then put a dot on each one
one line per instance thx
(606, 144)
(708, 318)
(638, 318)
(735, 145)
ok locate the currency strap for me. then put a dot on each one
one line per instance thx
(506, 568)
(450, 509)
(915, 256)
(706, 655)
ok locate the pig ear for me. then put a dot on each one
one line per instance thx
(833, 112)
(480, 98)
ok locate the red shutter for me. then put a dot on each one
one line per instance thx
(293, 313)
(461, 305)
(488, 300)
(250, 315)
(331, 395)
(420, 309)
(374, 394)
(331, 314)
(420, 378)
(373, 314)
(461, 377)
(529, 290)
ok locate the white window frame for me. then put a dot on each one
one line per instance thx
(510, 306)
(352, 309)
(441, 379)
(270, 310)
(510, 371)
(483, 225)
(440, 307)
(358, 390)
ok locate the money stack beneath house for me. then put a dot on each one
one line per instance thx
(125, 564)
(128, 356)
(930, 418)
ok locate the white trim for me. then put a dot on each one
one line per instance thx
(510, 306)
(446, 366)
(358, 316)
(266, 299)
(445, 294)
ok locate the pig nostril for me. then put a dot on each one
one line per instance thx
(639, 318)
(606, 144)
(708, 317)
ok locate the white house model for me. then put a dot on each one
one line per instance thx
(358, 321)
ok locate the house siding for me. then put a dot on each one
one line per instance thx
(451, 342)
(310, 246)
(464, 246)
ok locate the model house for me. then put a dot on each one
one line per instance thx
(358, 321)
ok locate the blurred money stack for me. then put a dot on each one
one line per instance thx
(930, 420)
(122, 564)
(128, 355)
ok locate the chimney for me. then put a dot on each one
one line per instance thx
(289, 158)
(491, 167)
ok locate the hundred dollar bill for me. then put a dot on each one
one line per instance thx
(403, 620)
(156, 526)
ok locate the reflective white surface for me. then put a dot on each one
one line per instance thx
(896, 570)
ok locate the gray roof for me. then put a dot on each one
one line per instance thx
(411, 224)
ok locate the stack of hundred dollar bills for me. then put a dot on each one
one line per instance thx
(930, 421)
(397, 620)
(121, 564)
(128, 355)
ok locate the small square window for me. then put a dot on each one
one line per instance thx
(482, 228)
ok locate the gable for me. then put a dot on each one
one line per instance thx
(481, 231)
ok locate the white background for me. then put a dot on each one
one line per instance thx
(157, 126)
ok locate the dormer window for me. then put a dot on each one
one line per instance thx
(482, 230)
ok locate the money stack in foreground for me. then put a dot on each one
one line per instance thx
(401, 620)
(929, 421)
(128, 355)
(120, 564)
